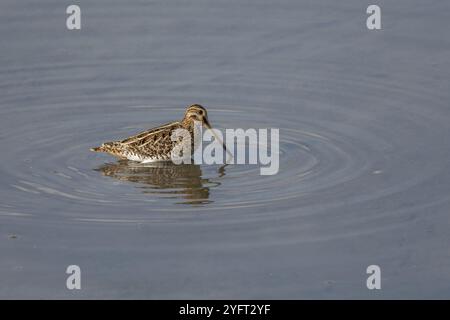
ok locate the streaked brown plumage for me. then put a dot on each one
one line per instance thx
(156, 144)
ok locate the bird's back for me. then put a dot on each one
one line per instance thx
(151, 145)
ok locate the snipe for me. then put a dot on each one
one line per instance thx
(156, 144)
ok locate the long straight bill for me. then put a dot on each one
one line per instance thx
(218, 139)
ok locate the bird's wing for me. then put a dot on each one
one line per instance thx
(152, 143)
(147, 136)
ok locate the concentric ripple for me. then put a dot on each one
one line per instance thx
(364, 121)
(353, 141)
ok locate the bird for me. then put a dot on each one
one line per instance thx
(156, 144)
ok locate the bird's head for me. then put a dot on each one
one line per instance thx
(196, 112)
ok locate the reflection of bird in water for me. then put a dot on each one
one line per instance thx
(156, 144)
(165, 179)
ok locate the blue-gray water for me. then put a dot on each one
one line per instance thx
(364, 167)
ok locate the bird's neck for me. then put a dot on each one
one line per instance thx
(187, 124)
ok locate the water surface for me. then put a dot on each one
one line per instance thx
(364, 154)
